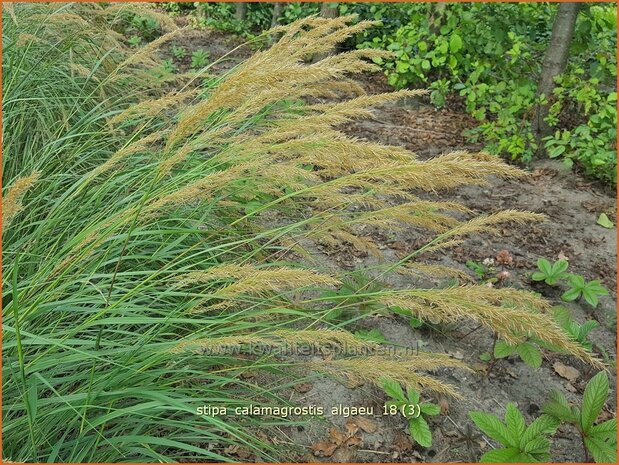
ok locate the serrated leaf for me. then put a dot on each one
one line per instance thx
(420, 431)
(514, 421)
(507, 455)
(571, 294)
(428, 408)
(602, 451)
(576, 280)
(605, 222)
(537, 445)
(542, 425)
(559, 407)
(559, 266)
(529, 354)
(590, 297)
(586, 328)
(593, 400)
(393, 389)
(412, 396)
(502, 349)
(606, 431)
(493, 427)
(545, 266)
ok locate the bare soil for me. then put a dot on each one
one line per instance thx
(572, 205)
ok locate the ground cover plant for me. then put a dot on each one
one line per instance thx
(155, 219)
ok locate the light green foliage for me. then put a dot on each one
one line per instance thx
(491, 55)
(179, 52)
(571, 327)
(521, 443)
(600, 439)
(146, 27)
(551, 274)
(414, 410)
(351, 297)
(590, 291)
(199, 59)
(556, 272)
(605, 222)
(528, 352)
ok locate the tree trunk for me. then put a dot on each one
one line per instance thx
(241, 11)
(555, 62)
(278, 8)
(328, 10)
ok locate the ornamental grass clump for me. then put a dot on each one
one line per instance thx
(144, 227)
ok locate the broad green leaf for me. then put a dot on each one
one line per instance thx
(508, 455)
(545, 266)
(455, 43)
(502, 349)
(428, 408)
(559, 407)
(590, 297)
(393, 389)
(542, 425)
(412, 396)
(605, 431)
(593, 400)
(605, 222)
(602, 451)
(576, 280)
(493, 427)
(514, 421)
(538, 276)
(420, 431)
(529, 354)
(538, 445)
(571, 294)
(559, 266)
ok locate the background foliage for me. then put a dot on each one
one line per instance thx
(486, 58)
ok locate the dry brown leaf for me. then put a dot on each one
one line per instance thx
(367, 425)
(351, 427)
(353, 441)
(565, 371)
(324, 448)
(336, 436)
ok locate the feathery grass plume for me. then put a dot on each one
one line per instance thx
(512, 313)
(144, 55)
(252, 280)
(12, 200)
(403, 370)
(434, 270)
(152, 107)
(198, 191)
(8, 7)
(421, 213)
(115, 11)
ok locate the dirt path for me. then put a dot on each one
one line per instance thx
(572, 205)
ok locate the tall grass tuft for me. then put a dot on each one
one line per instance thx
(157, 231)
